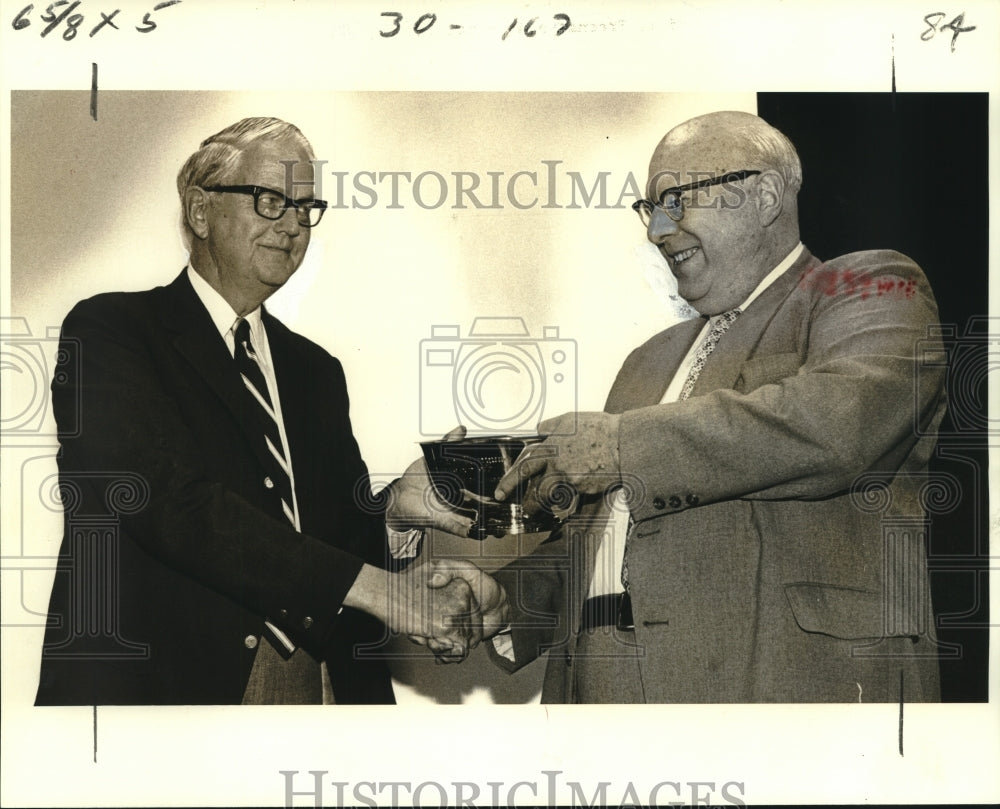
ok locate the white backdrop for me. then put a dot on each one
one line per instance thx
(91, 207)
(385, 270)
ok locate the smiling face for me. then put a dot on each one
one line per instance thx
(722, 247)
(243, 255)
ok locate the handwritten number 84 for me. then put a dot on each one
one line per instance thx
(955, 25)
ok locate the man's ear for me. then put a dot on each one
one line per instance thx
(196, 211)
(770, 195)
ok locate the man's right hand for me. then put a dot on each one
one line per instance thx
(490, 595)
(432, 608)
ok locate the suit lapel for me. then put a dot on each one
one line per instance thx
(644, 379)
(293, 383)
(198, 341)
(722, 369)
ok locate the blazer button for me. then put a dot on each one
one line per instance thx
(659, 504)
(307, 622)
(692, 499)
(282, 613)
(268, 483)
(250, 641)
(675, 502)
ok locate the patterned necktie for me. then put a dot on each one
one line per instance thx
(628, 536)
(722, 324)
(280, 476)
(253, 377)
(707, 346)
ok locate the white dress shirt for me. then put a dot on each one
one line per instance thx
(226, 320)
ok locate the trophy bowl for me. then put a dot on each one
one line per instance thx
(465, 474)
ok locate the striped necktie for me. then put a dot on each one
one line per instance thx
(256, 385)
(279, 476)
(253, 378)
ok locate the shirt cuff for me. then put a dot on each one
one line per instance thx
(404, 544)
(503, 643)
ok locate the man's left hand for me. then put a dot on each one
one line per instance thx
(584, 456)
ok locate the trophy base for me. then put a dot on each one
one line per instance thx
(501, 519)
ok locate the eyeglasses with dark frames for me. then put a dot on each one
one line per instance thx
(671, 202)
(272, 204)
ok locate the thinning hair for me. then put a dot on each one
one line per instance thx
(775, 151)
(219, 155)
(732, 135)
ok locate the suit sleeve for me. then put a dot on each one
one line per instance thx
(538, 598)
(190, 521)
(853, 404)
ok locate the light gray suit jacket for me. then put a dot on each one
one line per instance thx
(778, 551)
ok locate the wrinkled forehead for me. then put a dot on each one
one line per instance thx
(284, 165)
(679, 160)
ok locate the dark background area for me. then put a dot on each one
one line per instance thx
(909, 172)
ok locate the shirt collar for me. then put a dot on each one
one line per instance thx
(222, 314)
(772, 276)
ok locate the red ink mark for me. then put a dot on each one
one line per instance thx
(866, 282)
(848, 277)
(831, 282)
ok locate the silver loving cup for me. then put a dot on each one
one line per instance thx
(465, 474)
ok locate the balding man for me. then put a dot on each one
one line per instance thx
(730, 547)
(246, 564)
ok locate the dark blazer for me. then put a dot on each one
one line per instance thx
(163, 600)
(778, 553)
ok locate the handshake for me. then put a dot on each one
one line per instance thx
(449, 606)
